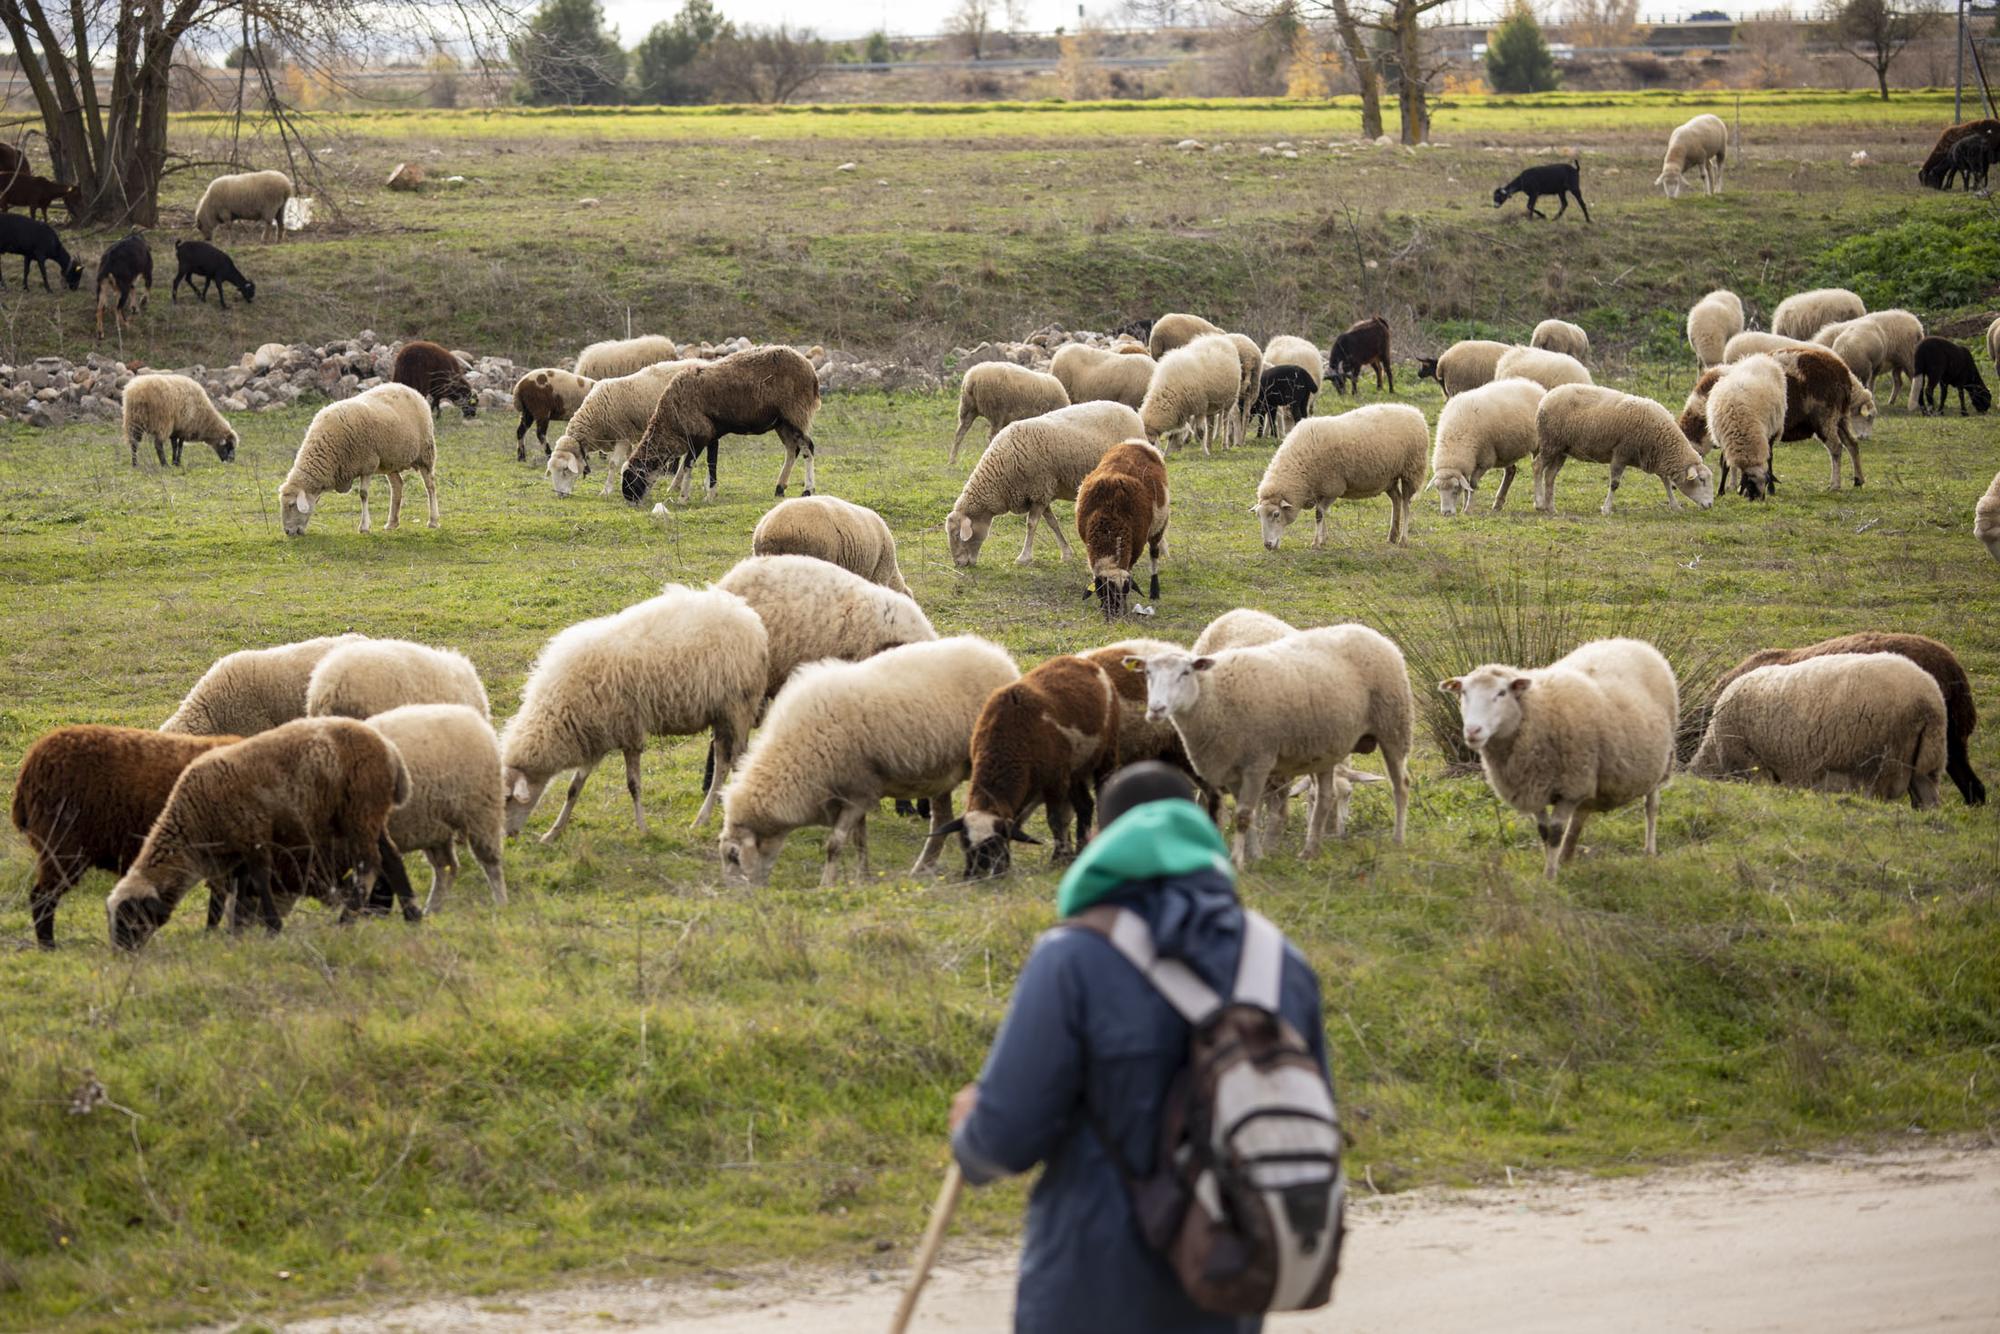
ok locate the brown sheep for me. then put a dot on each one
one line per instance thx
(544, 396)
(434, 372)
(1961, 714)
(1823, 401)
(298, 806)
(1121, 507)
(745, 393)
(1049, 739)
(1365, 344)
(1938, 163)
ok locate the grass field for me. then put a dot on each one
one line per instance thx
(633, 1071)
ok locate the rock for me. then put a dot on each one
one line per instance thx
(846, 166)
(406, 176)
(235, 403)
(1190, 146)
(588, 201)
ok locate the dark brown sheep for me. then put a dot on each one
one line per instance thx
(120, 272)
(1961, 715)
(1121, 507)
(1821, 402)
(1932, 173)
(434, 372)
(36, 193)
(745, 393)
(1050, 739)
(543, 396)
(1365, 344)
(301, 805)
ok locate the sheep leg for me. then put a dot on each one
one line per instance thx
(1317, 812)
(395, 502)
(521, 437)
(1244, 846)
(1580, 204)
(1396, 761)
(444, 869)
(1617, 475)
(384, 865)
(256, 879)
(487, 854)
(1154, 547)
(50, 885)
(934, 842)
(1572, 830)
(160, 450)
(1028, 547)
(1062, 542)
(1083, 800)
(1550, 831)
(1653, 823)
(836, 842)
(1506, 480)
(715, 448)
(569, 800)
(1853, 452)
(632, 786)
(965, 420)
(429, 478)
(1319, 526)
(361, 488)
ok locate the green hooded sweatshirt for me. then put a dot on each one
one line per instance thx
(1149, 842)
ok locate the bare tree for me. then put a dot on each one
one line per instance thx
(1601, 23)
(1874, 32)
(971, 27)
(765, 65)
(1773, 46)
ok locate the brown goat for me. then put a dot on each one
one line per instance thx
(1365, 344)
(1120, 507)
(434, 372)
(745, 393)
(1050, 739)
(36, 193)
(1820, 397)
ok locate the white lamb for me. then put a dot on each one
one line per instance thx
(609, 421)
(1003, 394)
(1804, 314)
(1590, 732)
(1711, 323)
(251, 196)
(1479, 430)
(1702, 142)
(174, 409)
(456, 794)
(1986, 518)
(1550, 370)
(1561, 336)
(370, 676)
(1746, 416)
(623, 356)
(1370, 451)
(1194, 387)
(1094, 375)
(252, 690)
(384, 430)
(1028, 467)
(1597, 425)
(851, 536)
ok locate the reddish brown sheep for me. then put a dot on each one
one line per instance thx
(1823, 401)
(36, 193)
(1932, 173)
(1365, 344)
(745, 393)
(434, 372)
(1121, 507)
(542, 396)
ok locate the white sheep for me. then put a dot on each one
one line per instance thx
(1464, 365)
(1003, 394)
(842, 736)
(1864, 349)
(609, 421)
(385, 430)
(1550, 370)
(812, 610)
(1590, 732)
(1093, 375)
(1370, 451)
(1029, 466)
(252, 690)
(1176, 330)
(1711, 323)
(1561, 336)
(1843, 722)
(1803, 314)
(1479, 430)
(456, 795)
(1250, 362)
(622, 356)
(684, 662)
(854, 537)
(174, 409)
(1194, 386)
(1886, 341)
(1746, 416)
(1753, 342)
(1702, 142)
(1296, 706)
(1986, 518)
(370, 676)
(1993, 344)
(253, 196)
(1291, 350)
(1600, 425)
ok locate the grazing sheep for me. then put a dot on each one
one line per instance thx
(1863, 348)
(1936, 169)
(1822, 400)
(1093, 375)
(623, 356)
(1746, 415)
(837, 531)
(1029, 466)
(251, 196)
(1370, 451)
(1752, 342)
(1561, 179)
(1581, 421)
(1250, 359)
(1702, 142)
(1711, 323)
(124, 281)
(546, 395)
(36, 193)
(1003, 394)
(1481, 429)
(812, 610)
(292, 810)
(1049, 739)
(199, 259)
(1365, 344)
(1845, 722)
(1550, 370)
(1194, 386)
(37, 243)
(1126, 345)
(1941, 366)
(85, 798)
(1140, 737)
(386, 430)
(1137, 331)
(609, 421)
(1986, 518)
(1120, 507)
(745, 393)
(253, 690)
(174, 409)
(431, 370)
(1901, 332)
(1176, 330)
(1561, 336)
(842, 736)
(1590, 732)
(370, 676)
(1289, 350)
(1804, 314)
(1464, 365)
(1961, 714)
(686, 661)
(1284, 396)
(1296, 706)
(456, 795)
(1970, 160)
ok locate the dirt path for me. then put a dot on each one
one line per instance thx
(1908, 1241)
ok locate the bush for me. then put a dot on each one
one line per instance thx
(1919, 263)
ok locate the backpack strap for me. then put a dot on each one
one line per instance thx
(1261, 965)
(1177, 983)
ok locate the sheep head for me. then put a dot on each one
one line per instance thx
(1489, 702)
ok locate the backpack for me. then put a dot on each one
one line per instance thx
(1246, 1199)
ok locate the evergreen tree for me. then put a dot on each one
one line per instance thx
(1517, 58)
(567, 55)
(670, 59)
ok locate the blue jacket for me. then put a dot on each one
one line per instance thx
(1085, 1029)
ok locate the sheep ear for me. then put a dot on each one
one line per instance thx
(521, 791)
(1287, 506)
(305, 503)
(965, 530)
(1694, 473)
(1202, 663)
(1452, 685)
(1132, 663)
(1519, 685)
(1253, 509)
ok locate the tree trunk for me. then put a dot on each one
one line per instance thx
(1882, 80)
(1365, 77)
(1410, 87)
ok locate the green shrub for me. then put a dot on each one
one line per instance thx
(1922, 263)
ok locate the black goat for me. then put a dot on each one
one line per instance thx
(1366, 343)
(37, 243)
(1561, 179)
(199, 259)
(1283, 389)
(1943, 365)
(119, 273)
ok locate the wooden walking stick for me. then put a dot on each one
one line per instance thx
(927, 1250)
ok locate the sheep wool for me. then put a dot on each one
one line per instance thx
(456, 793)
(174, 409)
(1093, 375)
(1291, 350)
(1863, 348)
(371, 676)
(1598, 425)
(1371, 451)
(1121, 509)
(1479, 430)
(841, 736)
(1561, 336)
(1250, 361)
(1702, 142)
(252, 690)
(1993, 344)
(1468, 363)
(854, 537)
(1050, 740)
(813, 610)
(1746, 415)
(750, 392)
(1550, 370)
(1176, 330)
(1804, 314)
(1843, 722)
(386, 430)
(1752, 342)
(1195, 387)
(609, 421)
(1003, 394)
(542, 396)
(1986, 518)
(622, 356)
(1028, 467)
(1711, 323)
(251, 196)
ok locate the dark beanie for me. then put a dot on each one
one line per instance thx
(1137, 784)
